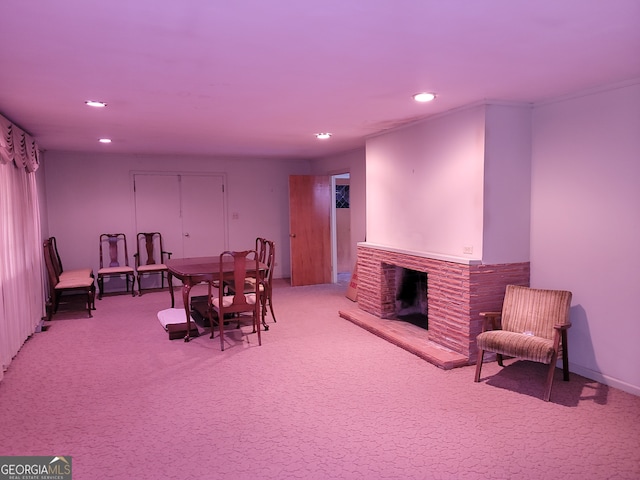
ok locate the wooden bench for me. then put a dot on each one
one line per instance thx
(61, 281)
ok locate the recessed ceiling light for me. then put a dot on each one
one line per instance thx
(94, 103)
(105, 140)
(323, 136)
(424, 97)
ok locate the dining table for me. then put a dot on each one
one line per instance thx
(195, 270)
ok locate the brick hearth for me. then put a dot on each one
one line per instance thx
(457, 291)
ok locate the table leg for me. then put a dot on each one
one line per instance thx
(170, 279)
(186, 288)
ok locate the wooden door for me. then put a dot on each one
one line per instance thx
(310, 229)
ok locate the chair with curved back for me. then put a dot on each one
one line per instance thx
(151, 244)
(114, 261)
(266, 255)
(243, 300)
(534, 324)
(72, 281)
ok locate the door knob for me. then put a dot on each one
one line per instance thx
(186, 234)
(292, 235)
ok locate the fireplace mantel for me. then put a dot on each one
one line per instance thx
(434, 256)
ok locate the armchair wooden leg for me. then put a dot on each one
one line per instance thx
(552, 368)
(547, 388)
(479, 364)
(565, 357)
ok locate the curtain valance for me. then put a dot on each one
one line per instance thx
(18, 146)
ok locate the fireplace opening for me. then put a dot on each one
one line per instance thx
(411, 297)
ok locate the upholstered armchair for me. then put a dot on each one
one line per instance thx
(532, 326)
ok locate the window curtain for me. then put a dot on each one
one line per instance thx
(21, 262)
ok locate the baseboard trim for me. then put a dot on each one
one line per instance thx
(605, 379)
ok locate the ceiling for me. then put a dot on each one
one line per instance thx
(258, 78)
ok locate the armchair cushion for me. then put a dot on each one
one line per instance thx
(521, 345)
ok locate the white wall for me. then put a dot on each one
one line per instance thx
(556, 184)
(507, 184)
(92, 194)
(425, 185)
(585, 225)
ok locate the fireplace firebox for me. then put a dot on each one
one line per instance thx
(411, 297)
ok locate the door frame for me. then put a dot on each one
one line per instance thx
(334, 224)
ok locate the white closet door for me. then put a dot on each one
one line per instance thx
(158, 209)
(203, 215)
(187, 209)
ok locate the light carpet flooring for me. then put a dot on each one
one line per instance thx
(321, 398)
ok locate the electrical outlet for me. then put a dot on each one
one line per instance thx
(467, 250)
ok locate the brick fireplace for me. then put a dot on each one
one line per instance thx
(458, 289)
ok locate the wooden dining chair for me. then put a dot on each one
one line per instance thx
(261, 248)
(268, 258)
(73, 281)
(241, 300)
(150, 257)
(266, 255)
(114, 261)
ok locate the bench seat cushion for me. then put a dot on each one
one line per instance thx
(80, 282)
